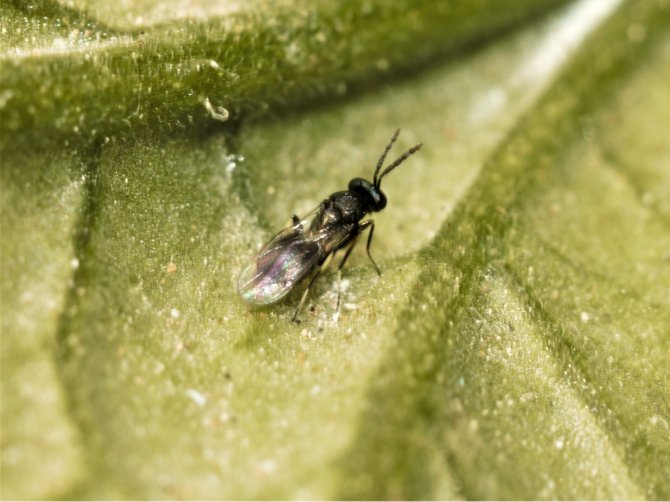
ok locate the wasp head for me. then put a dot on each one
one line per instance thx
(374, 196)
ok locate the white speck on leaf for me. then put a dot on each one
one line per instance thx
(559, 443)
(197, 397)
(267, 466)
(219, 113)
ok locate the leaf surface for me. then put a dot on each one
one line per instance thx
(515, 344)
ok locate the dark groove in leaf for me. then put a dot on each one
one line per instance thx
(575, 362)
(575, 265)
(81, 239)
(107, 94)
(68, 343)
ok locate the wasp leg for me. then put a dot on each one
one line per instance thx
(302, 299)
(339, 269)
(324, 264)
(363, 226)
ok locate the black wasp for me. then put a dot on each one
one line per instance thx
(309, 242)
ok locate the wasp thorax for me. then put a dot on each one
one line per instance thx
(375, 196)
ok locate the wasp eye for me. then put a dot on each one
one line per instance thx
(380, 200)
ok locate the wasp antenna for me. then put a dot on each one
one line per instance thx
(398, 161)
(383, 157)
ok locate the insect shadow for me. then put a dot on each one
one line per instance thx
(304, 249)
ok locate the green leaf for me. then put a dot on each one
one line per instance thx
(515, 345)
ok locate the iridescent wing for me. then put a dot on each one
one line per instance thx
(289, 256)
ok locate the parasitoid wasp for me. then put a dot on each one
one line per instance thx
(309, 242)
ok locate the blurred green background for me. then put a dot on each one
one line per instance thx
(516, 343)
